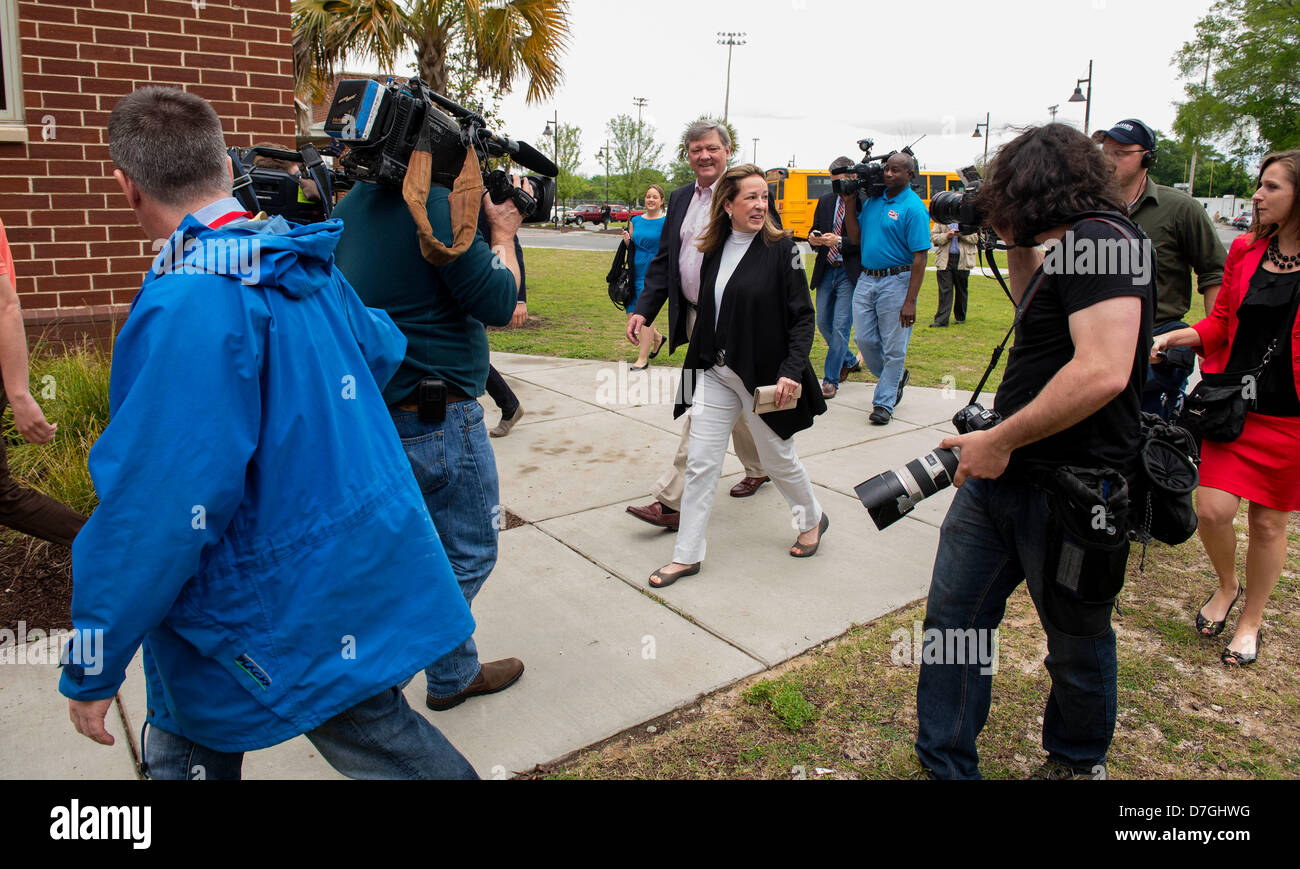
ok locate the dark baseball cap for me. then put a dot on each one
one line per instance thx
(1131, 131)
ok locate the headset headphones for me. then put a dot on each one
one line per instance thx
(1148, 157)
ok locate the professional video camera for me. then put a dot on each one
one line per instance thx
(954, 206)
(868, 177)
(382, 124)
(890, 496)
(277, 191)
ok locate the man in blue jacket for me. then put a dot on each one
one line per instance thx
(258, 529)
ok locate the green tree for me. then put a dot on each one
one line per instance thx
(1243, 76)
(501, 40)
(633, 150)
(1226, 173)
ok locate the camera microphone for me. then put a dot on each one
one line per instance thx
(527, 156)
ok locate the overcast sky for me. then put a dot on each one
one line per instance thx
(817, 75)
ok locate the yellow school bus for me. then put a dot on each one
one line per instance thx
(794, 193)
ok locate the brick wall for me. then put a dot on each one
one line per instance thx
(78, 252)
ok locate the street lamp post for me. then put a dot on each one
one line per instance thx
(976, 135)
(640, 103)
(603, 154)
(755, 151)
(553, 130)
(1053, 109)
(731, 40)
(1078, 97)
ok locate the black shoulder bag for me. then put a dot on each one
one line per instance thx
(621, 287)
(1216, 408)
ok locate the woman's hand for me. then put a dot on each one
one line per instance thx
(1162, 344)
(785, 388)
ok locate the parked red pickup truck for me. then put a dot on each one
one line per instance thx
(602, 214)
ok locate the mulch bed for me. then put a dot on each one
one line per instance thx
(35, 585)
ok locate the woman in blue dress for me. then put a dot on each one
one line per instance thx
(643, 235)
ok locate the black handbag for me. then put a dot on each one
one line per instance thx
(1216, 408)
(621, 286)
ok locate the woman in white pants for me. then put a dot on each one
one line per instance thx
(754, 328)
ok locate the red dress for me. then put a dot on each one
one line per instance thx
(1263, 465)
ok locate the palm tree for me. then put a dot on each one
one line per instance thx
(501, 39)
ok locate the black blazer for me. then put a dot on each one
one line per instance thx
(824, 220)
(663, 280)
(767, 321)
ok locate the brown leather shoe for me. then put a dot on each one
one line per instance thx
(655, 515)
(492, 677)
(747, 486)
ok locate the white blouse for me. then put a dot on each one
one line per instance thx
(732, 252)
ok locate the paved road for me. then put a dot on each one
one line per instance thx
(1227, 234)
(573, 240)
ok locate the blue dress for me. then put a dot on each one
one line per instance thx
(645, 244)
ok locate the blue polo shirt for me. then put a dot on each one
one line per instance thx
(893, 230)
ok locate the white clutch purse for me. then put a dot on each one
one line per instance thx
(765, 398)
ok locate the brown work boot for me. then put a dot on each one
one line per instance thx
(492, 677)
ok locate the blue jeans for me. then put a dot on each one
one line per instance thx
(993, 537)
(1162, 394)
(835, 319)
(380, 738)
(883, 342)
(457, 473)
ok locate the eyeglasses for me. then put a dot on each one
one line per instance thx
(1115, 152)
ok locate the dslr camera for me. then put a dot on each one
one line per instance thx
(867, 177)
(382, 124)
(958, 206)
(890, 496)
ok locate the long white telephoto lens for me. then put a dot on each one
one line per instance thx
(890, 496)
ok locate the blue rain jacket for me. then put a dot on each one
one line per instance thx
(259, 528)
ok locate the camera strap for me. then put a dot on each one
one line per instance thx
(465, 199)
(317, 171)
(242, 186)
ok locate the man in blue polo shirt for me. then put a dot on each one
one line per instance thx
(893, 234)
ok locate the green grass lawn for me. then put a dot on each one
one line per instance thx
(569, 314)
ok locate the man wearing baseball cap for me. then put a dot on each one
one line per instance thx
(1184, 240)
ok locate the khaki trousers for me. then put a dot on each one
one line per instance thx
(669, 487)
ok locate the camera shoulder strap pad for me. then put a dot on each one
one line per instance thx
(465, 200)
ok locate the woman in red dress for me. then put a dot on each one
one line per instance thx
(1256, 308)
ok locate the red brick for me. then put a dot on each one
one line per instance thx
(26, 201)
(58, 185)
(31, 65)
(203, 27)
(33, 300)
(207, 61)
(18, 185)
(54, 100)
(95, 297)
(119, 248)
(116, 88)
(259, 65)
(65, 283)
(22, 252)
(80, 266)
(222, 76)
(47, 48)
(115, 217)
(127, 5)
(117, 53)
(259, 95)
(120, 280)
(267, 19)
(54, 151)
(102, 184)
(133, 265)
(26, 233)
(63, 66)
(275, 82)
(59, 250)
(213, 12)
(65, 32)
(251, 33)
(97, 120)
(77, 200)
(166, 24)
(174, 41)
(103, 18)
(81, 233)
(122, 37)
(234, 48)
(167, 76)
(31, 10)
(213, 93)
(97, 152)
(121, 70)
(69, 168)
(124, 231)
(71, 132)
(230, 109)
(34, 268)
(155, 57)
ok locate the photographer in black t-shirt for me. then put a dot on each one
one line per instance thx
(1070, 398)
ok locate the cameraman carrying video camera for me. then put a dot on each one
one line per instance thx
(442, 311)
(1044, 498)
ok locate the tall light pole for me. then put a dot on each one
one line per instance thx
(553, 129)
(603, 153)
(640, 103)
(976, 135)
(1078, 97)
(1053, 109)
(754, 154)
(1205, 86)
(731, 40)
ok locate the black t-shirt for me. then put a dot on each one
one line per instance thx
(1043, 346)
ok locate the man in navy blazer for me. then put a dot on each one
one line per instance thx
(835, 274)
(674, 276)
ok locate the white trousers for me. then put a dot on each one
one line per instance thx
(719, 400)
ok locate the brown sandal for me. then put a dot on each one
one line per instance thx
(667, 578)
(801, 550)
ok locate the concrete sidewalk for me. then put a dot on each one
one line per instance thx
(603, 651)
